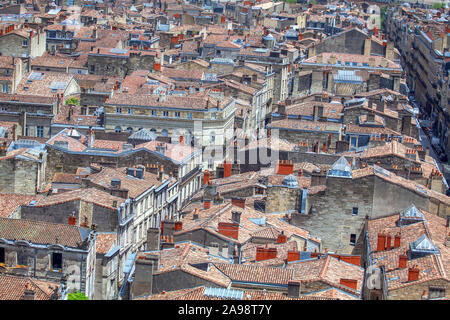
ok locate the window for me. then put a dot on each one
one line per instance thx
(436, 292)
(166, 113)
(177, 114)
(25, 43)
(164, 133)
(154, 113)
(213, 116)
(21, 258)
(39, 131)
(352, 239)
(56, 261)
(92, 68)
(189, 115)
(2, 255)
(118, 129)
(118, 110)
(7, 72)
(130, 129)
(5, 88)
(130, 111)
(355, 211)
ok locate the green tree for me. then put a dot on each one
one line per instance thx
(76, 296)
(438, 5)
(72, 100)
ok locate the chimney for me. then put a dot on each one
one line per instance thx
(413, 274)
(178, 226)
(206, 176)
(380, 106)
(318, 112)
(161, 173)
(229, 229)
(282, 238)
(264, 253)
(293, 255)
(239, 202)
(390, 51)
(29, 293)
(319, 58)
(206, 204)
(236, 216)
(351, 283)
(402, 260)
(227, 169)
(91, 138)
(397, 239)
(195, 215)
(332, 60)
(214, 249)
(181, 139)
(388, 242)
(294, 288)
(284, 167)
(367, 46)
(72, 220)
(381, 242)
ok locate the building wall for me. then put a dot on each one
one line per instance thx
(415, 291)
(177, 280)
(39, 264)
(281, 199)
(331, 216)
(19, 176)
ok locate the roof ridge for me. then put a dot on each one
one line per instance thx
(324, 268)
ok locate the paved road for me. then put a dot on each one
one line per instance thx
(426, 144)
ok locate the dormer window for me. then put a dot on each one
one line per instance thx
(25, 43)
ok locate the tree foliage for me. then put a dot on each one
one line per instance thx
(72, 100)
(76, 296)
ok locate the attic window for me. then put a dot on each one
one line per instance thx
(436, 292)
(56, 261)
(352, 239)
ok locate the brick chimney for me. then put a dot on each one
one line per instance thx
(72, 220)
(206, 204)
(178, 226)
(29, 293)
(206, 177)
(388, 242)
(229, 229)
(265, 253)
(282, 238)
(381, 242)
(293, 255)
(413, 274)
(351, 283)
(397, 239)
(227, 169)
(402, 260)
(239, 202)
(284, 167)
